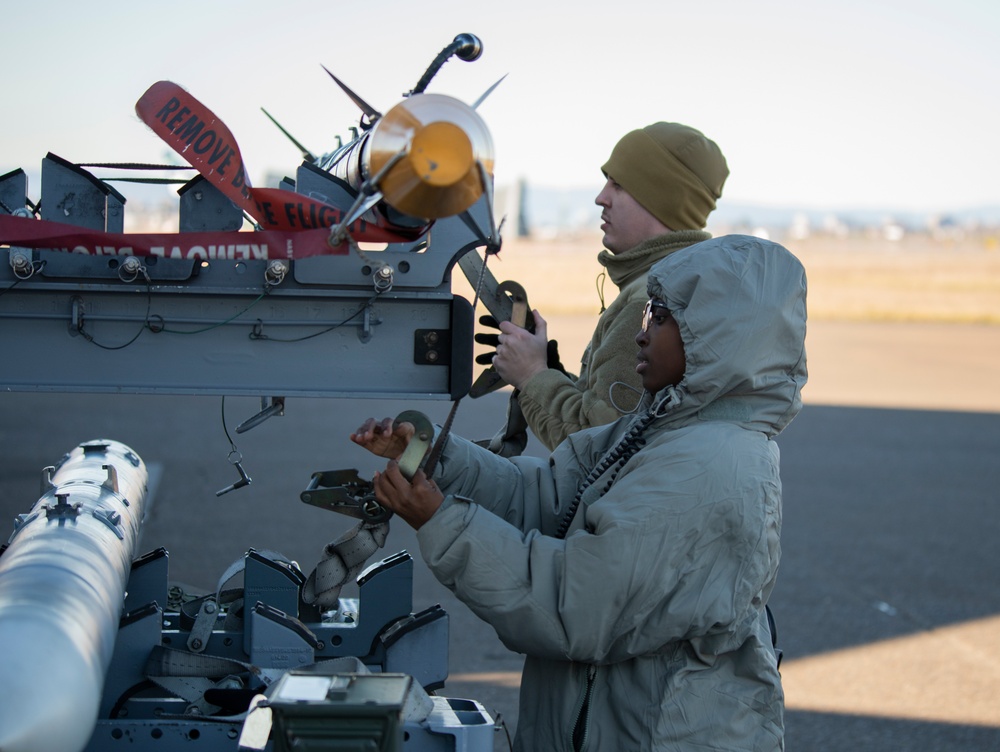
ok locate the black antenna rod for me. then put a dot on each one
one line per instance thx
(306, 154)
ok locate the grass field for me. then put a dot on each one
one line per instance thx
(890, 324)
(914, 279)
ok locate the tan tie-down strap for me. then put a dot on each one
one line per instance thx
(343, 560)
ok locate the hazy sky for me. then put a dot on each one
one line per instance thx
(841, 104)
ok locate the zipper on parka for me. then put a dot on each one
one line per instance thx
(582, 725)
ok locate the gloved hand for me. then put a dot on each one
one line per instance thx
(491, 340)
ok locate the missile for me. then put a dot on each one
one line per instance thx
(430, 156)
(63, 576)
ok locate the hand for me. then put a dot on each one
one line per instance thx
(520, 353)
(383, 438)
(416, 501)
(492, 340)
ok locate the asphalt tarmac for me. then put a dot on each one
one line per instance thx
(887, 603)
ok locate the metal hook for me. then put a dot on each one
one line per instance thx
(276, 406)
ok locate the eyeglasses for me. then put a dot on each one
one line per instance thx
(647, 312)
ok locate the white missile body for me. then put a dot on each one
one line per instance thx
(62, 591)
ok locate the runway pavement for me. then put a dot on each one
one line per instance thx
(887, 603)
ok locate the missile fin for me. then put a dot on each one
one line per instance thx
(370, 112)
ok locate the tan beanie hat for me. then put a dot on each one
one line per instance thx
(672, 170)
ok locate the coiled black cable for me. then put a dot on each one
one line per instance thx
(615, 459)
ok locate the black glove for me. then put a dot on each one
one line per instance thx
(492, 340)
(552, 356)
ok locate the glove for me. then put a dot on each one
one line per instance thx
(552, 357)
(492, 340)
